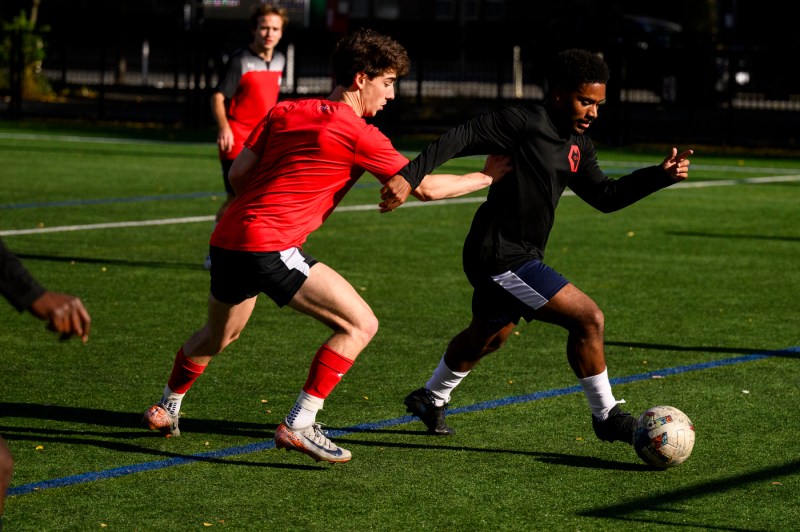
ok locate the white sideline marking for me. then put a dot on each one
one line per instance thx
(374, 207)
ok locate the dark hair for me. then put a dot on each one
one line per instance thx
(570, 69)
(367, 51)
(263, 10)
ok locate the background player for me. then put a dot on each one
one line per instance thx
(248, 90)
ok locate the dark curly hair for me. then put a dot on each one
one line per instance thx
(368, 51)
(570, 69)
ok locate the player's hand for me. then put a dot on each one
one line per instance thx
(225, 139)
(394, 193)
(677, 165)
(64, 313)
(497, 166)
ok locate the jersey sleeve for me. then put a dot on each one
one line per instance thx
(375, 154)
(17, 285)
(486, 134)
(233, 73)
(605, 194)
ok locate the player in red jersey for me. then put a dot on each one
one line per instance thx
(248, 90)
(296, 166)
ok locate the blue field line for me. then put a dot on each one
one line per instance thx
(367, 427)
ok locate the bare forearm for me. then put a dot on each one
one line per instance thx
(442, 186)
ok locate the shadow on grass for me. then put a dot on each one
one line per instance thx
(116, 262)
(111, 418)
(788, 353)
(659, 504)
(737, 237)
(112, 440)
(569, 460)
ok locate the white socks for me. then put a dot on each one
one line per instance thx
(443, 381)
(597, 389)
(171, 401)
(304, 411)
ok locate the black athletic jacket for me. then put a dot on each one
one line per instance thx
(16, 283)
(513, 225)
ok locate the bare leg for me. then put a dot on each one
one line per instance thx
(479, 339)
(327, 297)
(580, 316)
(225, 324)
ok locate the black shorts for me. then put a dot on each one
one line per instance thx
(507, 297)
(240, 275)
(226, 168)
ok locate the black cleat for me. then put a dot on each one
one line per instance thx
(619, 426)
(420, 403)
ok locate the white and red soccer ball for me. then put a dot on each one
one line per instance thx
(663, 437)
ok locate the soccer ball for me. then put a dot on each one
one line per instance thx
(663, 437)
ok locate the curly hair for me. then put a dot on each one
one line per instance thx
(263, 10)
(570, 69)
(368, 51)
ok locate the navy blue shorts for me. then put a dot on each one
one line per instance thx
(507, 297)
(240, 275)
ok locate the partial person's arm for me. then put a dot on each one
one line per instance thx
(64, 313)
(224, 132)
(242, 169)
(489, 133)
(17, 285)
(608, 195)
(441, 186)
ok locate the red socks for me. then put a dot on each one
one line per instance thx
(327, 369)
(184, 373)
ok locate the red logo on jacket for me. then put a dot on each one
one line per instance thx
(574, 158)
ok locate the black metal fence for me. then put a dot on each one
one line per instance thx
(161, 81)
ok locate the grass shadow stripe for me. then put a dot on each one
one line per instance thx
(485, 405)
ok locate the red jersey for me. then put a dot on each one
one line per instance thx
(253, 86)
(311, 152)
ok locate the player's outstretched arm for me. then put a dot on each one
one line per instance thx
(442, 186)
(677, 165)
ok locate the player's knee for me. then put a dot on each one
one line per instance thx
(368, 328)
(593, 322)
(493, 345)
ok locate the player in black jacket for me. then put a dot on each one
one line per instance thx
(504, 249)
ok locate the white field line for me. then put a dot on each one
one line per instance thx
(374, 207)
